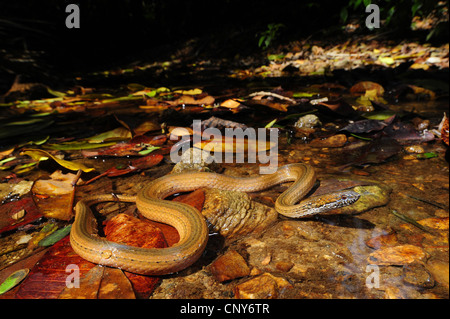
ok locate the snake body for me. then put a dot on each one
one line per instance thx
(188, 221)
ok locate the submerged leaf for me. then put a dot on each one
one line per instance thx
(119, 133)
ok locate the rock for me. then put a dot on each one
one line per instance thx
(307, 121)
(234, 214)
(229, 266)
(195, 159)
(417, 275)
(439, 270)
(265, 286)
(383, 241)
(398, 255)
(371, 196)
(414, 149)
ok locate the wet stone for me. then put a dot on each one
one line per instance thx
(417, 275)
(398, 255)
(265, 286)
(371, 196)
(195, 159)
(234, 214)
(229, 266)
(308, 121)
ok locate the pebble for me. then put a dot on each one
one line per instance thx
(265, 286)
(439, 270)
(371, 196)
(308, 121)
(417, 275)
(195, 159)
(383, 241)
(229, 266)
(398, 255)
(415, 149)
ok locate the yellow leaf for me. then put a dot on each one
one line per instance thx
(386, 60)
(40, 155)
(422, 91)
(417, 66)
(189, 92)
(234, 146)
(230, 104)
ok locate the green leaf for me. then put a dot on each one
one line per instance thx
(427, 155)
(344, 14)
(13, 280)
(380, 116)
(78, 145)
(149, 149)
(270, 124)
(56, 93)
(361, 137)
(55, 237)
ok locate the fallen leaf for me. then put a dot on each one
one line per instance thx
(231, 103)
(115, 285)
(39, 155)
(48, 277)
(117, 134)
(362, 87)
(13, 280)
(237, 146)
(89, 285)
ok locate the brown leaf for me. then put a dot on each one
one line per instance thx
(48, 277)
(132, 147)
(362, 87)
(115, 285)
(128, 230)
(89, 286)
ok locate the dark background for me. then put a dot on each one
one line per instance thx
(33, 33)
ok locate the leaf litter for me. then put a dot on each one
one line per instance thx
(117, 139)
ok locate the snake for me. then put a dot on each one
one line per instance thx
(188, 221)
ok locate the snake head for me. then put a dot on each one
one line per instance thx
(324, 203)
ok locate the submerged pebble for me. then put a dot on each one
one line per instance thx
(417, 275)
(398, 255)
(234, 214)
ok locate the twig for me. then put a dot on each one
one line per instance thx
(412, 222)
(278, 96)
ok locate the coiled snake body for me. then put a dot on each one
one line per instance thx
(188, 221)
